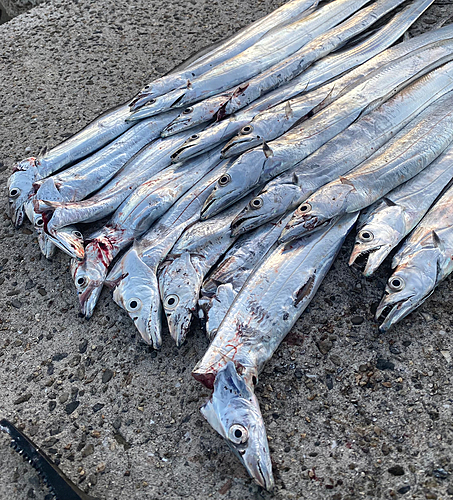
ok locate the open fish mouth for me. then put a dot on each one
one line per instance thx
(361, 259)
(390, 313)
(89, 297)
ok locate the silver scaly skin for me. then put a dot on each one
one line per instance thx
(182, 272)
(150, 160)
(407, 154)
(94, 136)
(234, 412)
(216, 107)
(134, 279)
(365, 58)
(246, 37)
(259, 165)
(345, 151)
(318, 48)
(394, 217)
(131, 219)
(227, 278)
(425, 259)
(89, 175)
(264, 311)
(266, 52)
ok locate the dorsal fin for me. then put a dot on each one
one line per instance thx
(388, 202)
(344, 180)
(288, 110)
(267, 150)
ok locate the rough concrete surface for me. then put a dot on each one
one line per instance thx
(350, 413)
(15, 7)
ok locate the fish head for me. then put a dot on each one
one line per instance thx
(250, 136)
(89, 276)
(270, 204)
(188, 149)
(233, 411)
(316, 211)
(377, 236)
(137, 292)
(69, 240)
(408, 287)
(20, 189)
(45, 245)
(234, 183)
(189, 117)
(179, 284)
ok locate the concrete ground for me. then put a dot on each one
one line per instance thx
(350, 413)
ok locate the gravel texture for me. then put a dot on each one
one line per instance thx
(350, 413)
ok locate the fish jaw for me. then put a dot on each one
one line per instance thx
(69, 240)
(89, 276)
(137, 292)
(156, 105)
(20, 189)
(233, 411)
(240, 144)
(187, 150)
(179, 284)
(268, 206)
(45, 245)
(238, 180)
(408, 287)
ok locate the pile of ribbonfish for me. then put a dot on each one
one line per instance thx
(226, 188)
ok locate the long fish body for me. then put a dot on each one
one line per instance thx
(370, 56)
(345, 151)
(269, 304)
(132, 219)
(407, 154)
(326, 69)
(181, 274)
(134, 277)
(275, 47)
(227, 278)
(231, 47)
(142, 166)
(259, 165)
(396, 215)
(424, 260)
(318, 48)
(94, 136)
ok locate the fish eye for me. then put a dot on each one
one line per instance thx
(152, 101)
(82, 281)
(246, 129)
(224, 180)
(306, 207)
(256, 203)
(396, 283)
(77, 234)
(187, 111)
(14, 192)
(238, 434)
(133, 305)
(39, 222)
(171, 301)
(194, 137)
(366, 235)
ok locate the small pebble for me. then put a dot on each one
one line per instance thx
(22, 399)
(357, 320)
(16, 303)
(97, 407)
(107, 375)
(88, 450)
(42, 291)
(396, 470)
(404, 489)
(71, 407)
(83, 346)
